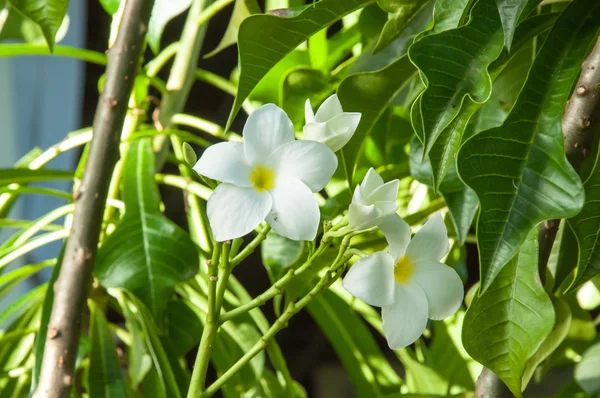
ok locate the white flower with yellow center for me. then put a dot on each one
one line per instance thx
(269, 175)
(331, 125)
(408, 281)
(373, 200)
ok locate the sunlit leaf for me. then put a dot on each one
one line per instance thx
(147, 254)
(23, 176)
(15, 26)
(402, 13)
(518, 170)
(450, 14)
(241, 10)
(279, 254)
(507, 323)
(48, 14)
(162, 12)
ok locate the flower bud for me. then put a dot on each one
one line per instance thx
(372, 201)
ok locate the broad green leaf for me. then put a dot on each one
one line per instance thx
(462, 206)
(587, 372)
(556, 336)
(24, 176)
(450, 14)
(15, 26)
(110, 6)
(466, 53)
(264, 40)
(507, 323)
(104, 375)
(511, 13)
(162, 12)
(48, 14)
(279, 254)
(184, 329)
(241, 10)
(298, 85)
(402, 13)
(518, 170)
(147, 254)
(421, 378)
(366, 366)
(371, 93)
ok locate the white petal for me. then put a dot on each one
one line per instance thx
(397, 233)
(405, 320)
(371, 279)
(225, 162)
(295, 213)
(344, 126)
(234, 212)
(329, 108)
(430, 242)
(371, 181)
(384, 193)
(311, 162)
(316, 132)
(309, 115)
(266, 129)
(443, 287)
(362, 216)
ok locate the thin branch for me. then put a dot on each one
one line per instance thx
(71, 288)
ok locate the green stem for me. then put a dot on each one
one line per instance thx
(346, 173)
(212, 10)
(204, 125)
(210, 329)
(36, 191)
(154, 66)
(14, 50)
(262, 235)
(225, 269)
(279, 324)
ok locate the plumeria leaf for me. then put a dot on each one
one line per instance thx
(16, 26)
(105, 378)
(467, 52)
(147, 254)
(279, 254)
(241, 10)
(48, 14)
(367, 368)
(402, 14)
(162, 12)
(506, 324)
(264, 40)
(298, 85)
(587, 372)
(511, 13)
(371, 93)
(450, 14)
(518, 170)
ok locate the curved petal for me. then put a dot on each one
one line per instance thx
(234, 212)
(345, 124)
(442, 286)
(362, 216)
(311, 162)
(385, 193)
(430, 243)
(316, 131)
(406, 319)
(266, 129)
(371, 181)
(309, 115)
(329, 108)
(225, 162)
(295, 214)
(397, 233)
(371, 279)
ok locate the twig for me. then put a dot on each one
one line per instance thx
(71, 288)
(488, 385)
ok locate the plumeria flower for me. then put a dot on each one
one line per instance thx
(373, 200)
(269, 175)
(331, 125)
(408, 281)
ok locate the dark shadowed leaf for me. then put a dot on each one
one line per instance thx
(402, 14)
(241, 10)
(511, 13)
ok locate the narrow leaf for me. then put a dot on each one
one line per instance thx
(104, 375)
(402, 14)
(507, 324)
(48, 14)
(511, 13)
(162, 12)
(241, 10)
(23, 176)
(264, 40)
(147, 254)
(518, 170)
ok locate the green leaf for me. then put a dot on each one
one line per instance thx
(518, 170)
(162, 12)
(147, 254)
(279, 254)
(241, 10)
(466, 53)
(104, 375)
(371, 93)
(184, 328)
(507, 323)
(450, 14)
(298, 85)
(462, 206)
(23, 176)
(264, 40)
(110, 6)
(48, 14)
(402, 15)
(511, 13)
(366, 366)
(587, 372)
(15, 26)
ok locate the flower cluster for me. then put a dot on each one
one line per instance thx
(272, 176)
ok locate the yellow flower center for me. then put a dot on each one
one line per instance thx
(404, 269)
(262, 178)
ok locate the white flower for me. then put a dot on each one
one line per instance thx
(269, 175)
(331, 125)
(408, 281)
(372, 201)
